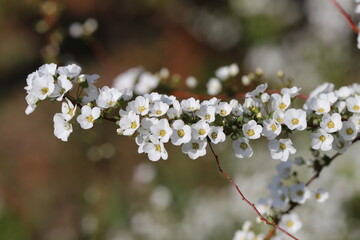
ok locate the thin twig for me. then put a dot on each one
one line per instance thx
(252, 205)
(347, 16)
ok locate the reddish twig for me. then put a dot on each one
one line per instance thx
(346, 16)
(252, 205)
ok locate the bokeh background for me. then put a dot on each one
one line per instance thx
(96, 186)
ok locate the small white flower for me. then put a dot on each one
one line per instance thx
(129, 124)
(92, 94)
(71, 71)
(264, 206)
(108, 97)
(257, 91)
(293, 92)
(127, 79)
(223, 109)
(245, 80)
(280, 197)
(62, 86)
(242, 148)
(320, 106)
(195, 148)
(147, 82)
(68, 110)
(281, 149)
(200, 130)
(344, 92)
(237, 109)
(348, 131)
(284, 169)
(340, 145)
(353, 104)
(190, 105)
(356, 120)
(158, 109)
(265, 97)
(155, 149)
(290, 223)
(217, 134)
(62, 128)
(321, 195)
(145, 125)
(279, 116)
(47, 69)
(299, 193)
(331, 123)
(279, 102)
(42, 87)
(191, 82)
(31, 101)
(88, 116)
(162, 130)
(181, 133)
(252, 130)
(206, 113)
(213, 86)
(271, 129)
(226, 72)
(323, 88)
(140, 105)
(321, 140)
(175, 111)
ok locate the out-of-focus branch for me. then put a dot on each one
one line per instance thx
(346, 16)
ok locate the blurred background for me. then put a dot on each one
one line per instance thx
(96, 186)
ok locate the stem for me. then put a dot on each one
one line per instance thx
(346, 16)
(252, 205)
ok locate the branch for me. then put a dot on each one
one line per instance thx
(346, 16)
(252, 205)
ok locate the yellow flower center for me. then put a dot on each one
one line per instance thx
(141, 109)
(331, 124)
(273, 127)
(195, 146)
(133, 125)
(280, 120)
(289, 223)
(207, 116)
(162, 132)
(158, 147)
(243, 146)
(349, 131)
(282, 146)
(321, 110)
(282, 106)
(322, 138)
(300, 193)
(158, 112)
(44, 90)
(356, 108)
(213, 135)
(295, 121)
(90, 118)
(71, 111)
(223, 112)
(202, 131)
(250, 133)
(110, 103)
(181, 133)
(317, 195)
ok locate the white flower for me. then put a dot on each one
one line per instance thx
(140, 105)
(279, 102)
(88, 116)
(145, 125)
(195, 148)
(191, 82)
(47, 69)
(147, 82)
(181, 133)
(244, 235)
(31, 101)
(155, 149)
(158, 109)
(42, 87)
(71, 71)
(257, 91)
(92, 94)
(206, 113)
(245, 80)
(129, 124)
(264, 206)
(62, 128)
(62, 86)
(252, 130)
(217, 134)
(279, 116)
(108, 97)
(265, 97)
(323, 88)
(284, 169)
(281, 149)
(161, 130)
(293, 92)
(237, 109)
(127, 79)
(226, 72)
(299, 193)
(175, 111)
(223, 109)
(190, 105)
(280, 197)
(200, 130)
(356, 120)
(340, 145)
(348, 131)
(68, 110)
(242, 148)
(331, 123)
(271, 129)
(344, 92)
(353, 104)
(320, 106)
(290, 223)
(321, 140)
(321, 195)
(213, 86)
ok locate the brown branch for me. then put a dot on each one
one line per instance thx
(252, 205)
(346, 16)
